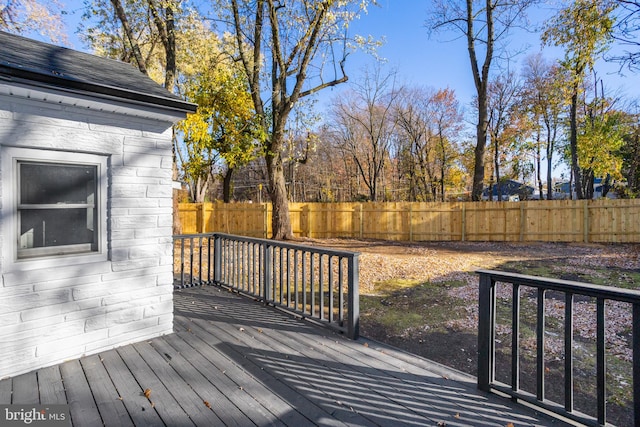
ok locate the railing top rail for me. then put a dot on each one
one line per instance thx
(187, 236)
(289, 245)
(587, 289)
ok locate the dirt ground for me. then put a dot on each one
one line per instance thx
(422, 297)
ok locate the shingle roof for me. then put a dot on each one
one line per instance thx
(32, 60)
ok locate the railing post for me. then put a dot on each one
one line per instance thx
(217, 258)
(636, 365)
(486, 328)
(353, 298)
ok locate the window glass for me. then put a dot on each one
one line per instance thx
(56, 209)
(42, 183)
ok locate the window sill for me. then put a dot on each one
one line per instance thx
(28, 264)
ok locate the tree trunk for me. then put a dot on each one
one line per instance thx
(481, 142)
(496, 166)
(280, 221)
(573, 142)
(226, 185)
(117, 6)
(549, 164)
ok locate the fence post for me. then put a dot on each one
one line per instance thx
(464, 222)
(353, 298)
(307, 209)
(203, 222)
(486, 328)
(360, 220)
(585, 222)
(265, 221)
(523, 219)
(410, 221)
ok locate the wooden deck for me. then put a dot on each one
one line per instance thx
(234, 362)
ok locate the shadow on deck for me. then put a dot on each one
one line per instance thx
(232, 361)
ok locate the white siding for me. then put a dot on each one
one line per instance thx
(63, 312)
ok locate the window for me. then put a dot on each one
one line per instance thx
(56, 208)
(58, 203)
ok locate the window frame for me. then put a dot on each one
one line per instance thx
(46, 257)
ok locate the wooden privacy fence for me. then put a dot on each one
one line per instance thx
(601, 221)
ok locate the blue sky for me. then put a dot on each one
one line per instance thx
(419, 60)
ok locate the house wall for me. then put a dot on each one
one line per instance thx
(52, 313)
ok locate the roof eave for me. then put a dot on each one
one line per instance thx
(22, 75)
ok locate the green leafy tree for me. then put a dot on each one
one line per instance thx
(600, 140)
(224, 127)
(584, 30)
(545, 99)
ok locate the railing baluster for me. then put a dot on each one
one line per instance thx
(601, 362)
(281, 275)
(340, 291)
(304, 283)
(267, 272)
(296, 286)
(515, 338)
(200, 260)
(353, 327)
(636, 363)
(312, 308)
(191, 261)
(568, 352)
(182, 262)
(321, 286)
(330, 280)
(540, 339)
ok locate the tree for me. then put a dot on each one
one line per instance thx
(429, 122)
(145, 33)
(416, 140)
(365, 125)
(545, 99)
(282, 48)
(504, 122)
(24, 16)
(483, 25)
(630, 152)
(583, 29)
(224, 127)
(600, 138)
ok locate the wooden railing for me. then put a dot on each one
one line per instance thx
(601, 220)
(564, 294)
(318, 284)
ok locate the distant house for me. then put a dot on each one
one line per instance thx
(509, 190)
(86, 224)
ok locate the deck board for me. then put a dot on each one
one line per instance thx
(265, 388)
(25, 389)
(51, 386)
(172, 414)
(108, 400)
(82, 406)
(180, 390)
(233, 361)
